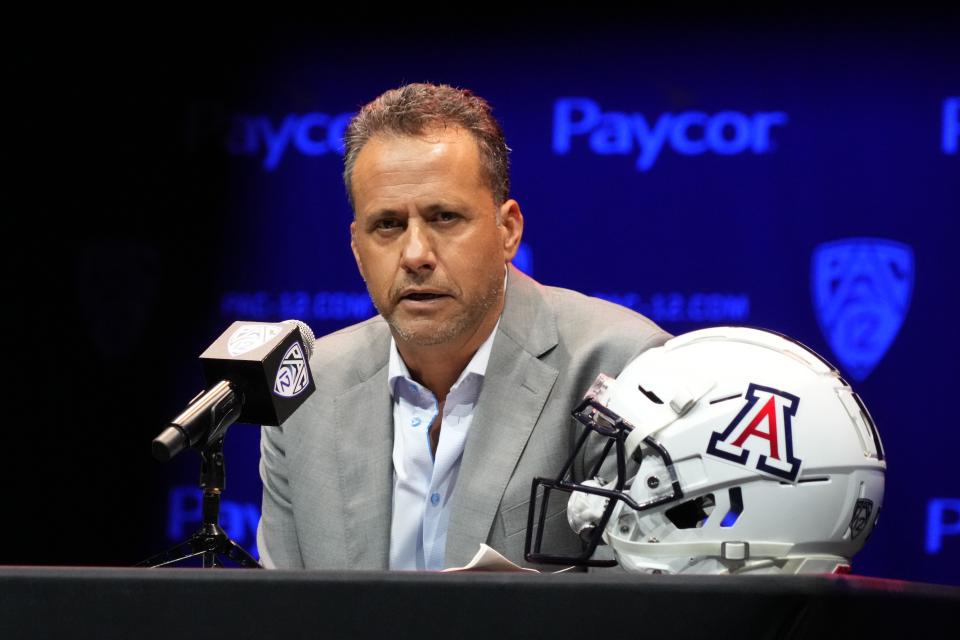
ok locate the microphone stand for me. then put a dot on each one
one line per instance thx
(211, 541)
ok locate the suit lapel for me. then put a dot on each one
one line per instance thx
(364, 419)
(501, 428)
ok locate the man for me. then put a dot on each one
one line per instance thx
(431, 420)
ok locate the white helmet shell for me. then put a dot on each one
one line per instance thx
(774, 461)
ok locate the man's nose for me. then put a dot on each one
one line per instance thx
(418, 251)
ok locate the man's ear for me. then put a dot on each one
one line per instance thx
(511, 227)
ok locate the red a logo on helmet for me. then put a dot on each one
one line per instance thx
(761, 434)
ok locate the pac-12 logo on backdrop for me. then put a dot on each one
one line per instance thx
(761, 435)
(861, 292)
(951, 125)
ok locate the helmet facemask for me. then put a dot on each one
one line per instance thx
(594, 502)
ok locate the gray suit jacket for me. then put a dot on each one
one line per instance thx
(328, 473)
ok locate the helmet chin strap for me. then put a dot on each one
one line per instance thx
(739, 551)
(737, 557)
(795, 566)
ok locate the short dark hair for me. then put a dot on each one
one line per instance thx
(413, 109)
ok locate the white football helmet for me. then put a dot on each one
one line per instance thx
(737, 450)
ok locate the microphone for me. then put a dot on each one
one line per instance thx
(257, 372)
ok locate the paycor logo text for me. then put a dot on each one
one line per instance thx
(687, 133)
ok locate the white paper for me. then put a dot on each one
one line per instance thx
(489, 559)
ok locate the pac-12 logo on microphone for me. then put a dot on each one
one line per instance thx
(292, 377)
(861, 292)
(761, 435)
(250, 336)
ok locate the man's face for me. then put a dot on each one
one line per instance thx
(426, 236)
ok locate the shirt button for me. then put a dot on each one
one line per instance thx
(435, 499)
(415, 422)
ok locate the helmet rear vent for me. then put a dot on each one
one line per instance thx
(736, 508)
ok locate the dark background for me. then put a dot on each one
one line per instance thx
(133, 213)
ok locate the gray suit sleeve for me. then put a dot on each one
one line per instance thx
(276, 534)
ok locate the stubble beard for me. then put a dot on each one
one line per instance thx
(443, 332)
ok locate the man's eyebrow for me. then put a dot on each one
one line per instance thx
(381, 213)
(444, 206)
(434, 207)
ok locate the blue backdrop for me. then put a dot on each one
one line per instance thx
(800, 182)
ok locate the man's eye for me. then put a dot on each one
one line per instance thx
(387, 224)
(447, 216)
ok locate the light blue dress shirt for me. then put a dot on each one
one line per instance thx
(422, 484)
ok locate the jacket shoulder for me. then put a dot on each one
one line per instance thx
(351, 354)
(584, 320)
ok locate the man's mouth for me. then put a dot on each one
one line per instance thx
(421, 296)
